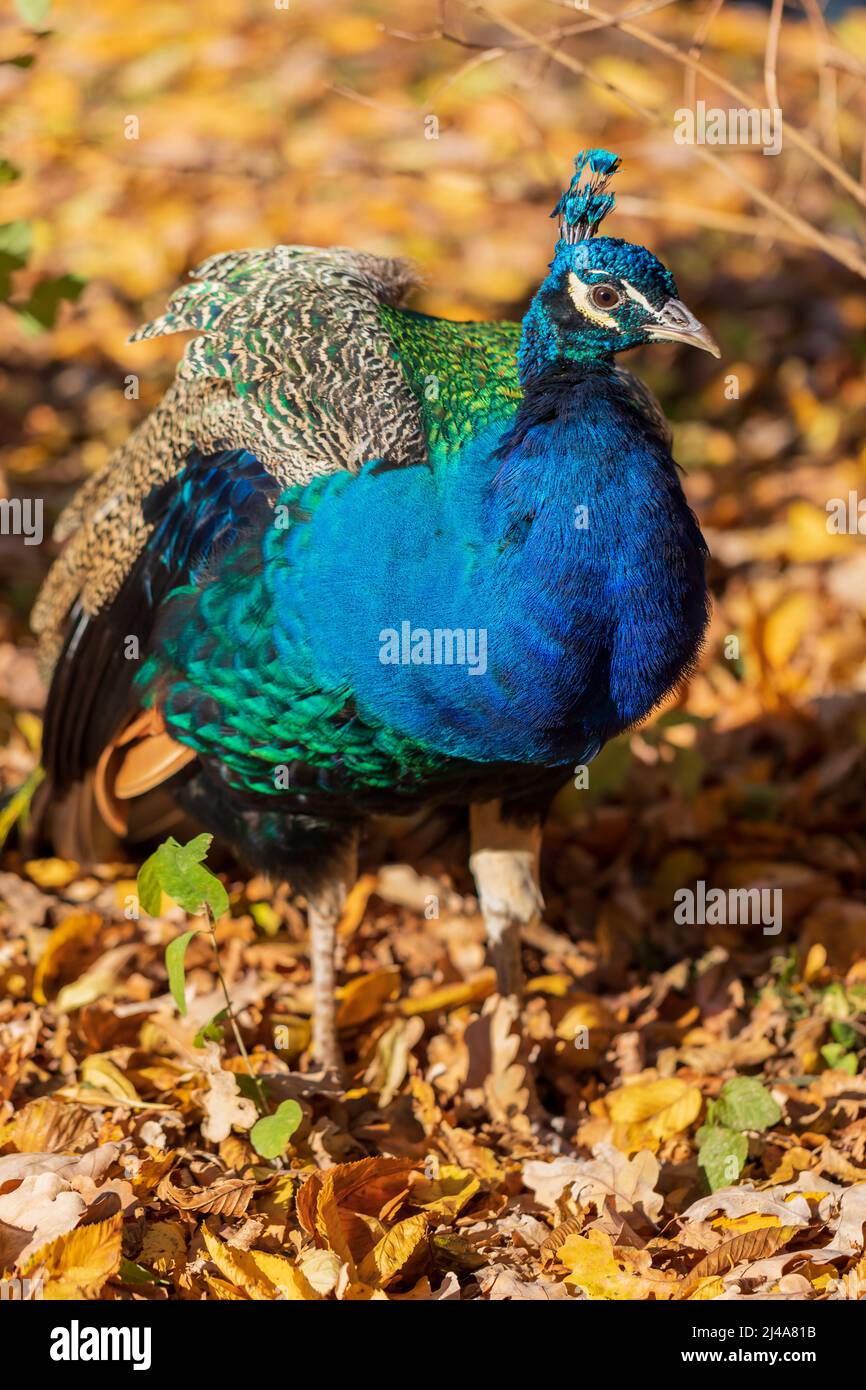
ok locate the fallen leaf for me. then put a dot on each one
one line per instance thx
(64, 951)
(445, 1195)
(405, 1244)
(77, 1265)
(601, 1272)
(224, 1106)
(743, 1249)
(646, 1113)
(362, 998)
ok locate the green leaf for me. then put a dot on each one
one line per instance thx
(270, 1136)
(41, 308)
(839, 1059)
(149, 888)
(177, 870)
(745, 1104)
(8, 172)
(722, 1155)
(175, 954)
(834, 1002)
(843, 1033)
(131, 1273)
(16, 240)
(211, 1032)
(33, 12)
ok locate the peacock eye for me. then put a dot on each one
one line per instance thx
(605, 296)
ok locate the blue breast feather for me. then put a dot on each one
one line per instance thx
(563, 551)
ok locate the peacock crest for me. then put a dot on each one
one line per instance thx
(586, 201)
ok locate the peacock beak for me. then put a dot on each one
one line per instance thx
(676, 324)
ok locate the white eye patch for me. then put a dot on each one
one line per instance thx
(579, 293)
(637, 296)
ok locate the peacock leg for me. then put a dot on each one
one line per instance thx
(325, 907)
(504, 860)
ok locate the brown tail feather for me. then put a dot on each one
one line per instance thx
(122, 801)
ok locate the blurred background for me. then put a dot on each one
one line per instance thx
(137, 142)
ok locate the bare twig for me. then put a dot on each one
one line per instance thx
(771, 54)
(828, 95)
(690, 75)
(261, 1102)
(715, 219)
(565, 31)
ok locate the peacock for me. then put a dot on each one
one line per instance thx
(360, 561)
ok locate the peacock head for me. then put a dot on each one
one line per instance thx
(602, 295)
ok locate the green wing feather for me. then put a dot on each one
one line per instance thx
(463, 375)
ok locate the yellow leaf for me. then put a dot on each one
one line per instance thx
(362, 998)
(224, 1292)
(587, 1013)
(99, 1071)
(646, 1113)
(77, 1265)
(447, 1194)
(291, 1035)
(451, 996)
(51, 873)
(151, 1170)
(706, 1289)
(100, 981)
(643, 81)
(124, 890)
(793, 1161)
(329, 1224)
(390, 1256)
(556, 985)
(755, 1221)
(357, 1292)
(356, 905)
(285, 1277)
(595, 1267)
(30, 725)
(239, 1268)
(321, 1269)
(350, 34)
(786, 626)
(815, 961)
(809, 541)
(76, 931)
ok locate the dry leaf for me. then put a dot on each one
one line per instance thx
(76, 1265)
(404, 1245)
(163, 1248)
(224, 1106)
(65, 947)
(601, 1272)
(445, 1195)
(362, 998)
(743, 1249)
(494, 1043)
(226, 1197)
(646, 1113)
